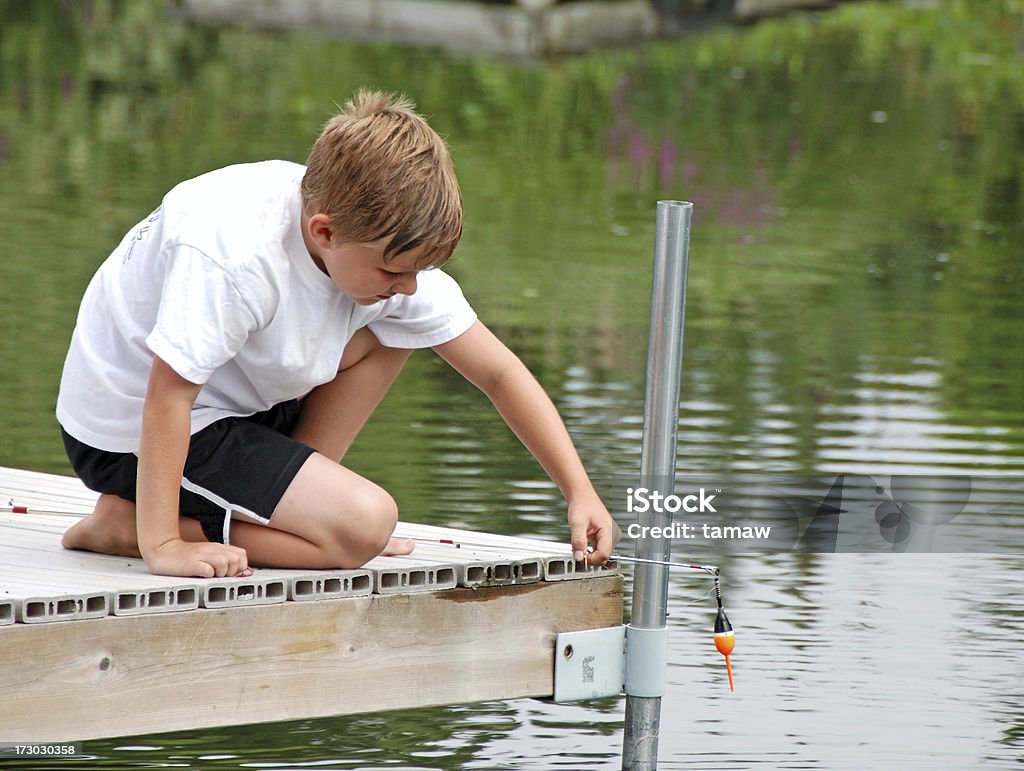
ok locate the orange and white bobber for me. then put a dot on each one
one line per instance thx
(725, 638)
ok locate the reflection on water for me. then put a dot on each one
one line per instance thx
(866, 661)
(854, 309)
(893, 421)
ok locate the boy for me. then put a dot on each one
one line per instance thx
(229, 350)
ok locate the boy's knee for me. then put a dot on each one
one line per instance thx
(381, 517)
(368, 521)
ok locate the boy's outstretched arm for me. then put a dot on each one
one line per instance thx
(164, 445)
(488, 364)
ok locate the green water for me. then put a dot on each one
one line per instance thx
(855, 306)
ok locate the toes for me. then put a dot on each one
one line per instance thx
(399, 546)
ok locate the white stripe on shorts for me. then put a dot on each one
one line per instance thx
(229, 508)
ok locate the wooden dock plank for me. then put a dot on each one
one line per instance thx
(130, 675)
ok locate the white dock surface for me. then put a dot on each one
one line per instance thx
(40, 582)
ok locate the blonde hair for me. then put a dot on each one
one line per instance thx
(378, 170)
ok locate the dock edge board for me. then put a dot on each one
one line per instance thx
(111, 676)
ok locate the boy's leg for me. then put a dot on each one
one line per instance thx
(368, 511)
(111, 528)
(333, 413)
(330, 516)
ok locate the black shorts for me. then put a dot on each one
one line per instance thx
(235, 465)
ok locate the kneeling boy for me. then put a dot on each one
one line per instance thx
(229, 350)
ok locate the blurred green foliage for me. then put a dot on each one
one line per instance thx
(857, 177)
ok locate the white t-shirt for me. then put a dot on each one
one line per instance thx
(218, 283)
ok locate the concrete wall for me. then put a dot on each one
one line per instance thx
(520, 28)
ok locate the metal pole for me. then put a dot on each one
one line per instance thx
(646, 651)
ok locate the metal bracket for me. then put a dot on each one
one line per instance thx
(590, 664)
(646, 661)
(602, 662)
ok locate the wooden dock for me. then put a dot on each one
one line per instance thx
(94, 646)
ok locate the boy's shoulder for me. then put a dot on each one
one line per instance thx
(235, 211)
(245, 219)
(238, 186)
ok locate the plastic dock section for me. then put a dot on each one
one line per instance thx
(41, 582)
(104, 598)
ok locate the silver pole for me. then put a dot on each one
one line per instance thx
(647, 629)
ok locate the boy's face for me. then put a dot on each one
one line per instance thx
(359, 270)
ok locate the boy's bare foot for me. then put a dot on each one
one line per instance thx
(398, 546)
(110, 529)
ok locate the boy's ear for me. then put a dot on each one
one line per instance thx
(321, 230)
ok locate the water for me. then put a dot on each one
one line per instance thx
(854, 308)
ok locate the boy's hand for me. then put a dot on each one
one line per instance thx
(202, 560)
(590, 522)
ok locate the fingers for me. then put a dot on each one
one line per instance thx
(603, 547)
(607, 540)
(209, 570)
(590, 522)
(579, 542)
(200, 560)
(225, 560)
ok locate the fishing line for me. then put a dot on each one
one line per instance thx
(699, 599)
(723, 634)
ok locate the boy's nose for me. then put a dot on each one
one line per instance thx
(406, 284)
